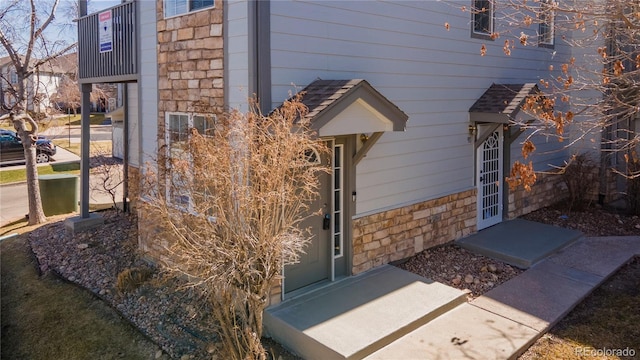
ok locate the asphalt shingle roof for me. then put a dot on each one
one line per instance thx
(504, 98)
(321, 94)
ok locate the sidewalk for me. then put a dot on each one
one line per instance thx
(504, 322)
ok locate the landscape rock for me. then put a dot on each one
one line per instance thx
(157, 308)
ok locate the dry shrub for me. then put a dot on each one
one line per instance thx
(241, 193)
(131, 278)
(579, 175)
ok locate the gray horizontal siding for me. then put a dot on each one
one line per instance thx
(236, 65)
(405, 52)
(147, 130)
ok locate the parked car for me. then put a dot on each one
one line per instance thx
(12, 151)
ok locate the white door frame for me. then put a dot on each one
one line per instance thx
(490, 179)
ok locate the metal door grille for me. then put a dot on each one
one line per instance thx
(490, 181)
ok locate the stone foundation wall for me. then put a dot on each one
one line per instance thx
(151, 244)
(400, 233)
(547, 190)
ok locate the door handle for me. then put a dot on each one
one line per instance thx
(326, 222)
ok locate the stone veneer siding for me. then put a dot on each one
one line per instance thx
(190, 62)
(400, 233)
(190, 80)
(548, 190)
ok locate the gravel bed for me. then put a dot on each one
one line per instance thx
(173, 316)
(457, 267)
(592, 221)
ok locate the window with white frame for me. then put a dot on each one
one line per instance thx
(13, 77)
(179, 126)
(546, 27)
(482, 17)
(179, 7)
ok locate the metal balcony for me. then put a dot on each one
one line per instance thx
(107, 45)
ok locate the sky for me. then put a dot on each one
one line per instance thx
(93, 6)
(63, 30)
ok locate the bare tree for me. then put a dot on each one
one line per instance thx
(108, 174)
(594, 93)
(68, 92)
(22, 35)
(236, 194)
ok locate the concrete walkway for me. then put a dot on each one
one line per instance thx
(504, 322)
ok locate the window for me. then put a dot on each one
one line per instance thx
(337, 210)
(14, 77)
(482, 12)
(177, 138)
(546, 29)
(179, 7)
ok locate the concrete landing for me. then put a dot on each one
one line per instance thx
(359, 315)
(519, 242)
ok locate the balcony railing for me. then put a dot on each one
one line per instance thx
(107, 49)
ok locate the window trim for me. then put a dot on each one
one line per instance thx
(551, 27)
(164, 9)
(167, 137)
(482, 35)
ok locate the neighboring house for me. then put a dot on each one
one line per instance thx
(42, 86)
(417, 120)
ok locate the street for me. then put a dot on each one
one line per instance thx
(62, 156)
(13, 197)
(14, 204)
(97, 133)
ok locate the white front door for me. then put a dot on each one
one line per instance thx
(490, 179)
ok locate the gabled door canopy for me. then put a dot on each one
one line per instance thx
(347, 107)
(500, 104)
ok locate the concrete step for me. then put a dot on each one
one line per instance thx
(519, 242)
(355, 317)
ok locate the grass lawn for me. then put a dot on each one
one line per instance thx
(65, 144)
(97, 147)
(10, 176)
(46, 318)
(94, 119)
(606, 320)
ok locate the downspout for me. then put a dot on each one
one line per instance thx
(125, 165)
(605, 146)
(263, 54)
(259, 23)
